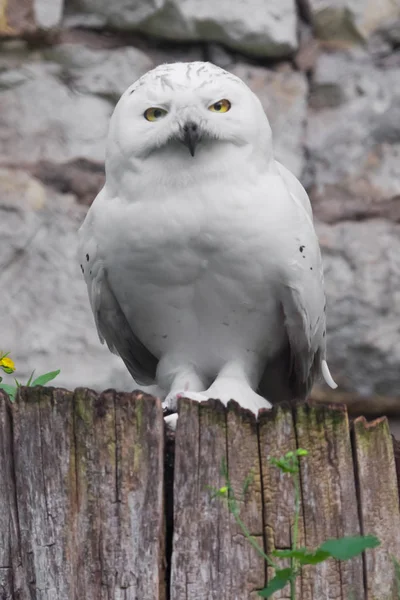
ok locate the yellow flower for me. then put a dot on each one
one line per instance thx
(7, 364)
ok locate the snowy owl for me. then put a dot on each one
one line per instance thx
(200, 256)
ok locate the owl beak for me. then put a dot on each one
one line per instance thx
(191, 136)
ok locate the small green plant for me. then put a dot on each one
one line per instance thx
(7, 366)
(340, 549)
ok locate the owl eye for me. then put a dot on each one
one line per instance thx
(154, 113)
(222, 106)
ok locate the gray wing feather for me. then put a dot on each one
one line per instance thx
(281, 381)
(305, 328)
(295, 188)
(113, 327)
(291, 374)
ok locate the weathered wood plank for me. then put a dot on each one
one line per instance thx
(119, 450)
(88, 473)
(277, 437)
(380, 515)
(329, 499)
(244, 569)
(396, 450)
(11, 572)
(211, 558)
(42, 435)
(140, 497)
(200, 448)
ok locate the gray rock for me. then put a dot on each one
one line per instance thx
(283, 95)
(45, 319)
(81, 177)
(251, 26)
(103, 72)
(351, 21)
(58, 109)
(220, 56)
(48, 13)
(165, 52)
(122, 14)
(362, 279)
(41, 118)
(353, 142)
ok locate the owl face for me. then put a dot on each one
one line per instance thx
(192, 111)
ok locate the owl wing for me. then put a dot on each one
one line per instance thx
(111, 322)
(292, 373)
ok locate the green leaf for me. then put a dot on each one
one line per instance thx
(304, 556)
(284, 465)
(278, 582)
(43, 379)
(28, 383)
(350, 546)
(9, 389)
(301, 452)
(288, 553)
(313, 558)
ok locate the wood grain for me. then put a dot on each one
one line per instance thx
(379, 502)
(83, 496)
(83, 505)
(329, 499)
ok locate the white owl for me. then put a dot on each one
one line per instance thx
(200, 256)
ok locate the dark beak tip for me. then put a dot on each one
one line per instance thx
(191, 137)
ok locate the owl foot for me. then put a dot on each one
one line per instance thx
(242, 393)
(171, 401)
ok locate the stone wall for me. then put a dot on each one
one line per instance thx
(328, 75)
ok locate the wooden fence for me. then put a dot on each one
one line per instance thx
(97, 503)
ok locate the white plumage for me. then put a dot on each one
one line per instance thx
(200, 256)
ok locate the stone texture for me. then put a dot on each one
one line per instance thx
(48, 13)
(351, 21)
(362, 280)
(16, 17)
(45, 319)
(100, 72)
(81, 177)
(31, 18)
(251, 26)
(59, 109)
(353, 138)
(283, 94)
(41, 118)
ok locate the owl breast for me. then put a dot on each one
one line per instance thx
(203, 286)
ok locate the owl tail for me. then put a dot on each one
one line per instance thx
(327, 375)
